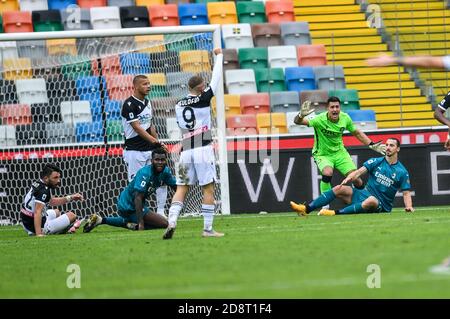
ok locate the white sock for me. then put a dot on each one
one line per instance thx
(161, 198)
(208, 216)
(174, 211)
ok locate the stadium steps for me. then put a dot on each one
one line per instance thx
(342, 27)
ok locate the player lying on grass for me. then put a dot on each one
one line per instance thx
(329, 151)
(37, 219)
(131, 206)
(386, 176)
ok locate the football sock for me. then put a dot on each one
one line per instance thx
(174, 211)
(208, 216)
(114, 221)
(161, 198)
(352, 209)
(324, 187)
(322, 200)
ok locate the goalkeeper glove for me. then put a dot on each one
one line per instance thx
(378, 147)
(305, 110)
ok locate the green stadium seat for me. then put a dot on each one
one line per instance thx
(253, 58)
(270, 80)
(349, 98)
(114, 131)
(47, 20)
(75, 68)
(1, 24)
(251, 12)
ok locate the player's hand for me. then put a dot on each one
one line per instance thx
(217, 51)
(77, 197)
(345, 181)
(141, 226)
(378, 147)
(381, 60)
(305, 109)
(409, 209)
(40, 235)
(164, 146)
(447, 145)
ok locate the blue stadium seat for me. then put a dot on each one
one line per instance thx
(135, 63)
(300, 78)
(60, 4)
(362, 115)
(112, 109)
(88, 89)
(193, 13)
(89, 132)
(203, 41)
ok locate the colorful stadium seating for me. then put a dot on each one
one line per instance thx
(163, 15)
(193, 14)
(300, 78)
(105, 18)
(222, 12)
(279, 11)
(230, 59)
(255, 103)
(33, 5)
(253, 58)
(47, 20)
(240, 81)
(295, 33)
(270, 80)
(134, 17)
(242, 125)
(236, 36)
(60, 4)
(271, 123)
(311, 55)
(251, 12)
(17, 21)
(284, 102)
(91, 3)
(84, 23)
(266, 34)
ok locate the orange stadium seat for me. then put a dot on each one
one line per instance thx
(255, 103)
(222, 12)
(271, 123)
(62, 47)
(120, 87)
(280, 11)
(163, 15)
(17, 21)
(15, 114)
(147, 3)
(110, 65)
(91, 3)
(241, 124)
(311, 55)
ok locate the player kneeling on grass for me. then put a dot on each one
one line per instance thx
(134, 214)
(36, 218)
(386, 176)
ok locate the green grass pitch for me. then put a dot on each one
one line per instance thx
(261, 256)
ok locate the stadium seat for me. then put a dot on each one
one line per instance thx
(134, 17)
(318, 99)
(121, 3)
(270, 80)
(255, 103)
(266, 34)
(120, 87)
(8, 6)
(73, 112)
(60, 88)
(31, 91)
(222, 12)
(75, 67)
(329, 77)
(158, 85)
(203, 41)
(31, 134)
(114, 131)
(113, 109)
(60, 133)
(173, 130)
(349, 98)
(311, 55)
(8, 50)
(149, 2)
(253, 58)
(8, 93)
(15, 114)
(284, 102)
(110, 65)
(279, 11)
(33, 49)
(116, 45)
(14, 69)
(195, 61)
(242, 125)
(193, 14)
(232, 104)
(230, 59)
(62, 47)
(295, 33)
(282, 56)
(43, 68)
(363, 119)
(60, 4)
(88, 89)
(240, 81)
(300, 78)
(135, 63)
(163, 15)
(164, 62)
(174, 43)
(150, 43)
(45, 113)
(294, 128)
(164, 107)
(91, 3)
(84, 23)
(89, 132)
(271, 123)
(47, 20)
(105, 18)
(177, 83)
(17, 21)
(33, 5)
(251, 12)
(1, 24)
(7, 135)
(236, 36)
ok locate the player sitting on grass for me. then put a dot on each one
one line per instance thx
(131, 206)
(36, 218)
(386, 176)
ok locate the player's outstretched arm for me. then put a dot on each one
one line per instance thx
(364, 139)
(139, 199)
(420, 61)
(57, 201)
(407, 199)
(354, 175)
(217, 70)
(305, 110)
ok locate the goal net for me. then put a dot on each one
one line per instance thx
(61, 102)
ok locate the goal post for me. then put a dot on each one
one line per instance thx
(60, 102)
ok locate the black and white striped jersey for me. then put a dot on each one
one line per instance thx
(38, 193)
(133, 110)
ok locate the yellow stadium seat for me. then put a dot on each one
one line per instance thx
(232, 104)
(195, 61)
(147, 3)
(62, 47)
(222, 12)
(271, 123)
(157, 79)
(9, 5)
(150, 43)
(15, 69)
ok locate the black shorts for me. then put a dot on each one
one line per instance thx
(28, 222)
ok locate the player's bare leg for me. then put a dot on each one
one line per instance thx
(208, 211)
(154, 220)
(175, 209)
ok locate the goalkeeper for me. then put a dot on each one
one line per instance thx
(329, 152)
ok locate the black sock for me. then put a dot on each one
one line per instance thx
(308, 208)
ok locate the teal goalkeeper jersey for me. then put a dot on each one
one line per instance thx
(146, 182)
(385, 180)
(328, 134)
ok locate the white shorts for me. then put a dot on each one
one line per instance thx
(197, 165)
(54, 224)
(135, 160)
